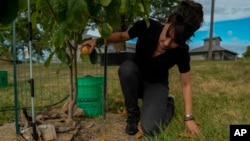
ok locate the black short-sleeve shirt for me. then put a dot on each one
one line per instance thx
(155, 69)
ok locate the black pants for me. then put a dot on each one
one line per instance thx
(156, 110)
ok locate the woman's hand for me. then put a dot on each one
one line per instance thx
(90, 43)
(193, 128)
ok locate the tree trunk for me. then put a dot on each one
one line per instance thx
(75, 66)
(73, 77)
(70, 99)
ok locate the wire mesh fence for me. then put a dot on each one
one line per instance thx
(51, 84)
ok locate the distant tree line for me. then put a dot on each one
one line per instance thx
(246, 54)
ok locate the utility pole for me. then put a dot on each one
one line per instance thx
(209, 57)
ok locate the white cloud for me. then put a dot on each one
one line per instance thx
(239, 48)
(235, 40)
(226, 9)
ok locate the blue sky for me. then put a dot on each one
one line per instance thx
(235, 35)
(231, 23)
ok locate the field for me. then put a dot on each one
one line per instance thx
(220, 96)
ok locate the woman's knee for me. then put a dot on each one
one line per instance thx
(150, 127)
(127, 67)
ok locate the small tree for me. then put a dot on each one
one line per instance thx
(64, 22)
(246, 54)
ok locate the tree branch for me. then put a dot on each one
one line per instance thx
(94, 18)
(70, 45)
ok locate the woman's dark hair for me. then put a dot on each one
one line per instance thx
(185, 20)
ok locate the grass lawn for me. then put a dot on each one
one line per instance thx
(221, 95)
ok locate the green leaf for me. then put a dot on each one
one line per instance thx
(105, 30)
(34, 19)
(83, 57)
(63, 56)
(99, 42)
(93, 57)
(104, 2)
(23, 4)
(8, 11)
(122, 9)
(58, 37)
(60, 9)
(140, 7)
(146, 4)
(47, 62)
(42, 5)
(76, 9)
(94, 8)
(147, 21)
(112, 14)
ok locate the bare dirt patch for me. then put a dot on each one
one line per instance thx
(91, 129)
(8, 132)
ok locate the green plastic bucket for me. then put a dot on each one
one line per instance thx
(89, 94)
(91, 109)
(3, 79)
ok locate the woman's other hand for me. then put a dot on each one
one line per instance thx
(193, 128)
